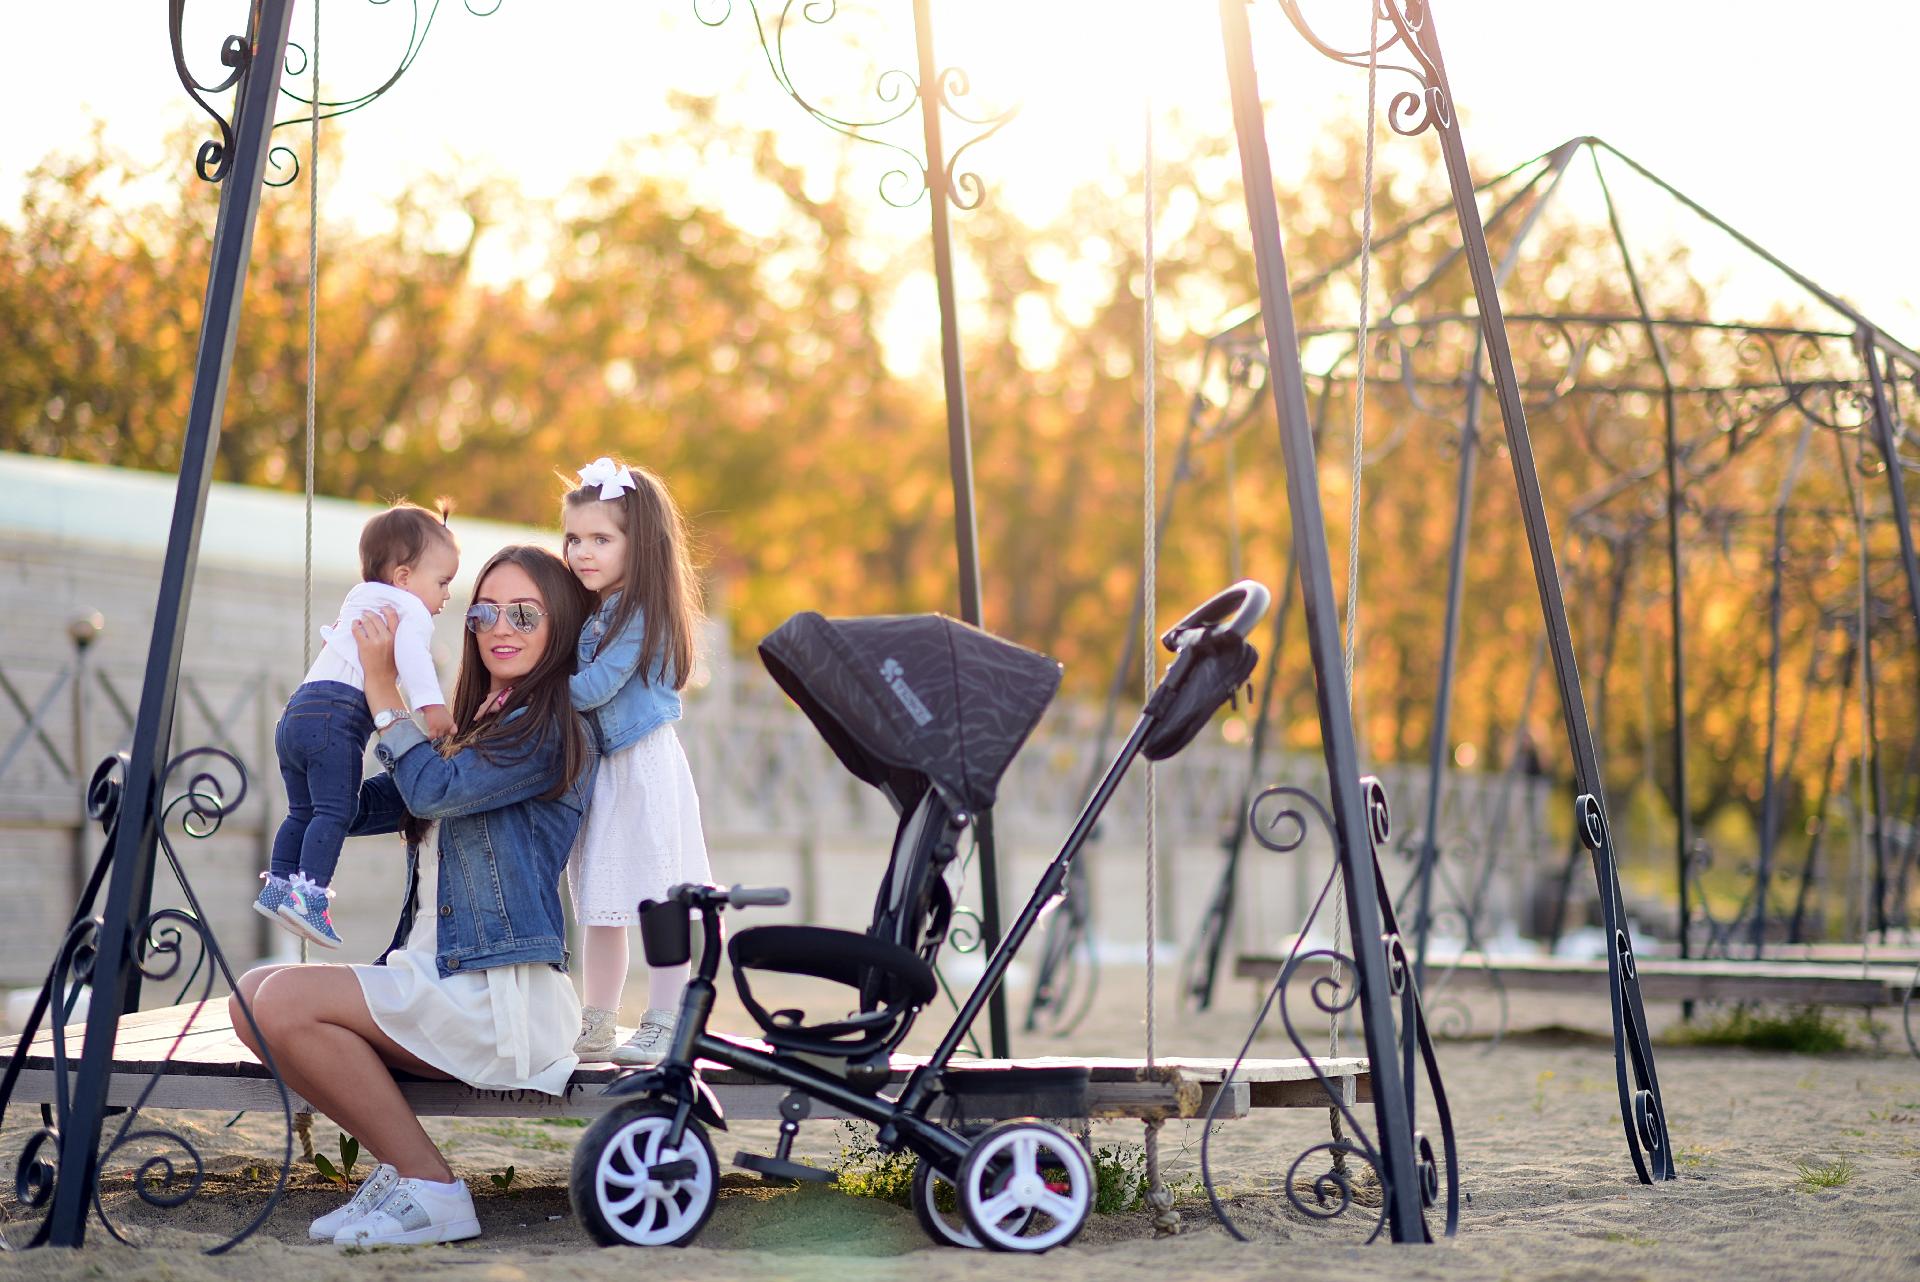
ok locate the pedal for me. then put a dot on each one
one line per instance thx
(774, 1168)
(793, 1110)
(668, 1172)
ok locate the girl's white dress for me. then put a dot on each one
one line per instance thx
(642, 833)
(506, 1028)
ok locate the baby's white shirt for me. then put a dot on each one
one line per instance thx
(339, 658)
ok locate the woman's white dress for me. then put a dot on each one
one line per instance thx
(506, 1028)
(642, 833)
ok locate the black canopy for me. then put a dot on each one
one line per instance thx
(919, 693)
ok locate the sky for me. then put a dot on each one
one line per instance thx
(1783, 118)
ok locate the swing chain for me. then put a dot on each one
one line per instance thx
(303, 1122)
(1335, 1128)
(1166, 1221)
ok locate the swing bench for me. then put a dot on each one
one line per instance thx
(198, 1063)
(1806, 983)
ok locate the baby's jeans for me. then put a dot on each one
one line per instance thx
(322, 744)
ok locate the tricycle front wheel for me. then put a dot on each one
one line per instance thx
(630, 1187)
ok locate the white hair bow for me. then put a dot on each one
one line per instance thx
(613, 481)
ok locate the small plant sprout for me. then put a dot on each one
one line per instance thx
(503, 1180)
(349, 1154)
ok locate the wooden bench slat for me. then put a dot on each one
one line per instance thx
(211, 1070)
(1661, 978)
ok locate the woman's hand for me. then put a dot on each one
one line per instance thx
(373, 634)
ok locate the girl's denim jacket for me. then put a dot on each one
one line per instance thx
(623, 705)
(502, 848)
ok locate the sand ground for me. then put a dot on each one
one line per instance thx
(1544, 1166)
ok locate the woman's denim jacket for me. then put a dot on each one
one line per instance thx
(623, 706)
(502, 848)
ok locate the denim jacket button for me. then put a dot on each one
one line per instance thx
(446, 910)
(453, 963)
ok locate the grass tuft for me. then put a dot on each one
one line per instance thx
(1827, 1175)
(1808, 1030)
(865, 1170)
(1695, 1157)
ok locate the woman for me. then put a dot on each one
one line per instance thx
(473, 988)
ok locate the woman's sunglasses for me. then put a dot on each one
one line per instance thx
(521, 615)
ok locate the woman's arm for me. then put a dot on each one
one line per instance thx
(467, 783)
(433, 786)
(611, 667)
(373, 634)
(381, 808)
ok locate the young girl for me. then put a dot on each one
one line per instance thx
(407, 558)
(626, 541)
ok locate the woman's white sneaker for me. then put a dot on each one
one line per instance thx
(415, 1212)
(372, 1191)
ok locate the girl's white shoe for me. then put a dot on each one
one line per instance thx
(650, 1042)
(597, 1034)
(372, 1191)
(415, 1212)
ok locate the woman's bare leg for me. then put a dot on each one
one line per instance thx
(328, 1048)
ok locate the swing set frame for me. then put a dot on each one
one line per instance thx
(118, 947)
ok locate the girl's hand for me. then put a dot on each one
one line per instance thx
(439, 720)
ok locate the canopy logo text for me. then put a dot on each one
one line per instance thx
(894, 675)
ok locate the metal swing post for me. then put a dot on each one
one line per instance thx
(257, 60)
(935, 90)
(1429, 852)
(1398, 1170)
(1642, 1113)
(1770, 799)
(1883, 436)
(966, 531)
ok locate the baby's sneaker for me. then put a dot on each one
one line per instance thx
(274, 891)
(306, 910)
(415, 1212)
(372, 1191)
(596, 1034)
(650, 1042)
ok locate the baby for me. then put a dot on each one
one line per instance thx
(407, 559)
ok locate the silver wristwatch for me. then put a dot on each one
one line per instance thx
(387, 717)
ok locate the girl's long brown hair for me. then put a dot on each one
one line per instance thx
(659, 582)
(542, 692)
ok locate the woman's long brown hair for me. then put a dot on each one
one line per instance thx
(542, 692)
(659, 582)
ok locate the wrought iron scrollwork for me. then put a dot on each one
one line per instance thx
(898, 92)
(1279, 820)
(285, 159)
(964, 935)
(212, 784)
(1411, 111)
(1641, 1109)
(1448, 1014)
(215, 155)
